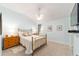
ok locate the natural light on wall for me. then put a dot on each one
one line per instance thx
(34, 29)
(12, 29)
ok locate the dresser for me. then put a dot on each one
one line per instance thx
(11, 41)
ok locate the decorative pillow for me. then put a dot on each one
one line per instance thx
(25, 34)
(34, 33)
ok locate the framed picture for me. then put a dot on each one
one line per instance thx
(59, 28)
(50, 28)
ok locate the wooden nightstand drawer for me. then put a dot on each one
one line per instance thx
(11, 41)
(6, 43)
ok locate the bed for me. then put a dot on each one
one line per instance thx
(32, 42)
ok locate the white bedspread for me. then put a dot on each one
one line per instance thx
(27, 42)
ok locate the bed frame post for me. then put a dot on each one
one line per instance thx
(46, 39)
(32, 45)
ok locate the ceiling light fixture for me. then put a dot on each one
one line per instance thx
(39, 16)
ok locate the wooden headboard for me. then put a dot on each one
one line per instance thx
(24, 30)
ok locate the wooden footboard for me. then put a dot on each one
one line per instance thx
(41, 45)
(46, 38)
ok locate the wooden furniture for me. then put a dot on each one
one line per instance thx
(11, 41)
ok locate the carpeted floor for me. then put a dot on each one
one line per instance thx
(51, 49)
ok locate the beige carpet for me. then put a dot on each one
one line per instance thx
(54, 49)
(14, 51)
(51, 49)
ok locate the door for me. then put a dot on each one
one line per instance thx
(0, 35)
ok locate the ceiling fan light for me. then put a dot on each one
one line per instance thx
(40, 17)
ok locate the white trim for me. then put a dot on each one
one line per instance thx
(59, 42)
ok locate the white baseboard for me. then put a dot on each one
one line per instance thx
(59, 42)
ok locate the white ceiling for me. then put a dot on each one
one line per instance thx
(50, 11)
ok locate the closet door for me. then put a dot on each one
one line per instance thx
(0, 25)
(0, 34)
